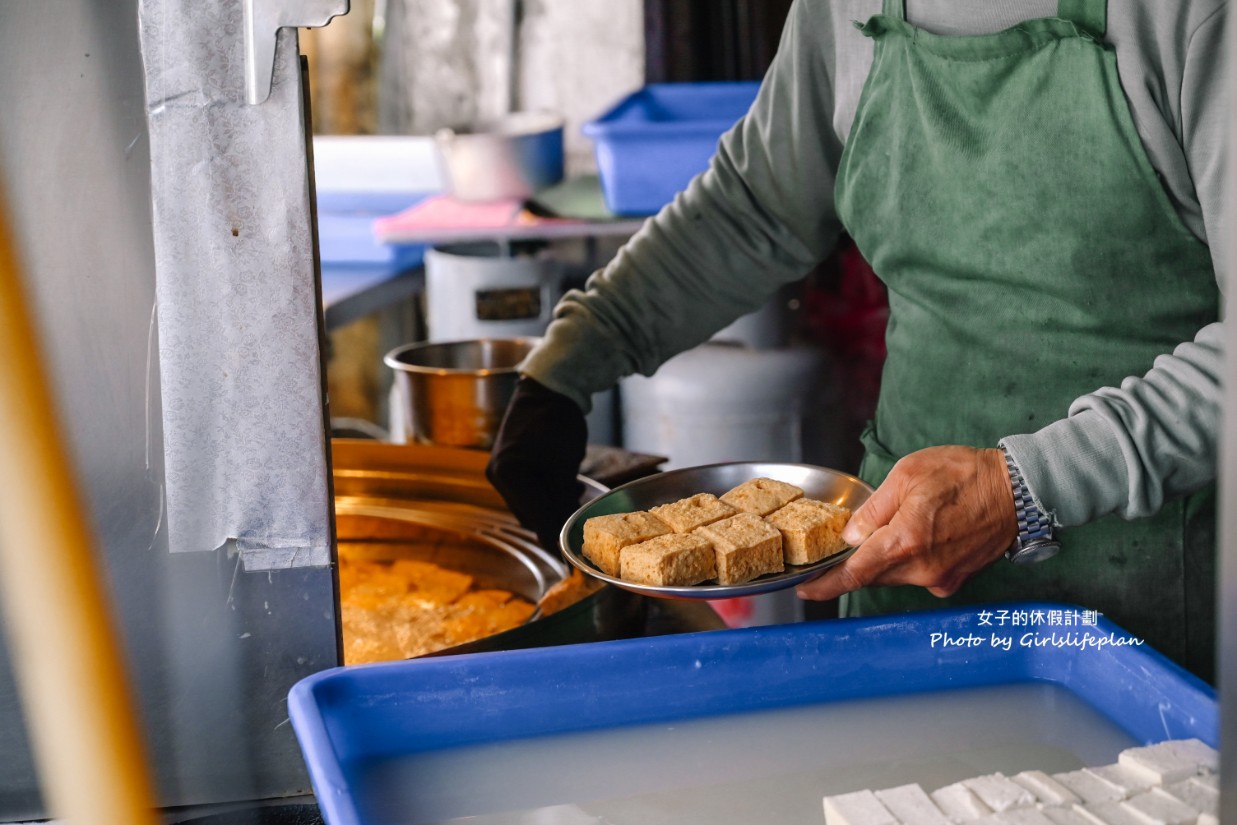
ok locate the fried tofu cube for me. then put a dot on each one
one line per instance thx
(514, 612)
(570, 590)
(606, 536)
(745, 546)
(434, 583)
(687, 514)
(761, 496)
(483, 599)
(376, 592)
(675, 559)
(811, 530)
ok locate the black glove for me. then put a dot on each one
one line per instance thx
(536, 459)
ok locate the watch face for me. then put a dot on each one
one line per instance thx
(1032, 553)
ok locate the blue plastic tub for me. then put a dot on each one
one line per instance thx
(355, 723)
(653, 142)
(346, 230)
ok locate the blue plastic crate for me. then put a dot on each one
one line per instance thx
(653, 142)
(346, 230)
(352, 721)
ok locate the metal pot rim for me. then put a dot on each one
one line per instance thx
(393, 358)
(514, 125)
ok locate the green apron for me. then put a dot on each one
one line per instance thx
(997, 185)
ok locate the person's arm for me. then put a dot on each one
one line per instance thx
(1126, 449)
(761, 216)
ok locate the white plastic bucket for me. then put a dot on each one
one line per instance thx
(475, 290)
(723, 403)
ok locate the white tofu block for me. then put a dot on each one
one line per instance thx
(1208, 819)
(1047, 790)
(999, 792)
(959, 803)
(912, 805)
(1130, 781)
(1027, 816)
(1016, 816)
(1196, 793)
(1110, 813)
(1068, 815)
(1167, 762)
(1211, 780)
(1089, 787)
(1159, 808)
(1197, 751)
(858, 808)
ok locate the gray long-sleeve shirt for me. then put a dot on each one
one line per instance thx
(763, 215)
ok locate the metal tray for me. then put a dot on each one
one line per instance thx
(819, 483)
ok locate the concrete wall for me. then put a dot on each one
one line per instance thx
(577, 57)
(449, 62)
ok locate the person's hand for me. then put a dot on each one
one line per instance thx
(942, 515)
(536, 459)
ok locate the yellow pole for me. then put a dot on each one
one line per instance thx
(69, 666)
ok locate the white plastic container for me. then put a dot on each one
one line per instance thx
(475, 290)
(724, 403)
(511, 157)
(769, 327)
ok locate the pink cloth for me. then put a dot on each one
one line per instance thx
(442, 217)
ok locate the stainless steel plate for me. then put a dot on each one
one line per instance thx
(816, 482)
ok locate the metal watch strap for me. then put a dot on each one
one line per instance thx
(1035, 541)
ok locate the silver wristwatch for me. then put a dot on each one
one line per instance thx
(1035, 541)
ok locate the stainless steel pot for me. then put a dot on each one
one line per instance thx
(453, 394)
(512, 157)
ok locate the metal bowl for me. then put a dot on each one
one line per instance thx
(819, 483)
(454, 394)
(512, 157)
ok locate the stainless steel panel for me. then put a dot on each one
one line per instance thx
(1226, 597)
(212, 650)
